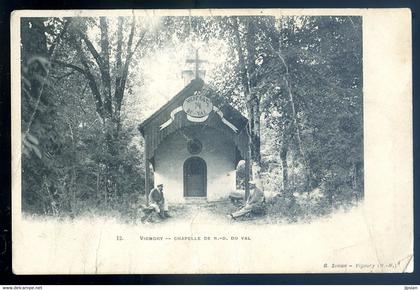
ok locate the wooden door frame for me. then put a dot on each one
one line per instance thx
(204, 175)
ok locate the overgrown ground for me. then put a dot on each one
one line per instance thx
(278, 209)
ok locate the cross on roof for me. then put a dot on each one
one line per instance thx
(197, 62)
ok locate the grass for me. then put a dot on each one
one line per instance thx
(279, 209)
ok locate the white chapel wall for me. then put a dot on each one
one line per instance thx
(218, 152)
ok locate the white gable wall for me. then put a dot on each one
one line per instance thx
(218, 152)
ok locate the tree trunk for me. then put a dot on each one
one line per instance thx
(34, 45)
(256, 134)
(295, 123)
(253, 100)
(147, 172)
(111, 145)
(104, 67)
(276, 47)
(247, 67)
(108, 103)
(283, 157)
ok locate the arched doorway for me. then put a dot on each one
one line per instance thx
(195, 177)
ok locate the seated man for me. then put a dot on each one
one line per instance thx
(157, 203)
(254, 201)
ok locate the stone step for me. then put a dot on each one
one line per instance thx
(194, 200)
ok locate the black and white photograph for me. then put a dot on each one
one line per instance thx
(148, 138)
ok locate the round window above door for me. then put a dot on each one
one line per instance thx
(194, 146)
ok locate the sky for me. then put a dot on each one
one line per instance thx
(157, 77)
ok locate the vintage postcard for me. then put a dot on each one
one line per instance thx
(212, 141)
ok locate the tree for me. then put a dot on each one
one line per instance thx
(245, 47)
(40, 140)
(106, 82)
(66, 133)
(321, 111)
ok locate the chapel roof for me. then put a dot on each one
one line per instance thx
(197, 84)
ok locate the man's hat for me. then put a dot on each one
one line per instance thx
(161, 184)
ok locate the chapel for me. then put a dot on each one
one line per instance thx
(194, 143)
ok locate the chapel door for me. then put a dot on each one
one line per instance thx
(195, 177)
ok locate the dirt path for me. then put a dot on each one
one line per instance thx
(203, 212)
